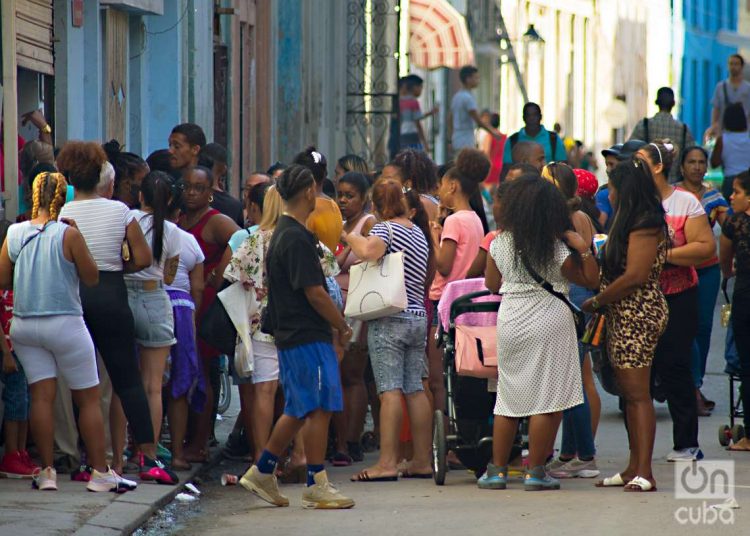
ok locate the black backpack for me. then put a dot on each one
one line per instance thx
(552, 143)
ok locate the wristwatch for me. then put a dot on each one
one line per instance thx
(46, 129)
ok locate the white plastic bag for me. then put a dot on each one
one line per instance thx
(240, 305)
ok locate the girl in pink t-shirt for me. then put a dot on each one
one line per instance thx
(456, 244)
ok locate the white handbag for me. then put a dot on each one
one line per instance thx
(377, 288)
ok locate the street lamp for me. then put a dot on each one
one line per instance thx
(508, 55)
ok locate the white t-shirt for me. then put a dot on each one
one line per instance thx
(102, 223)
(170, 246)
(190, 255)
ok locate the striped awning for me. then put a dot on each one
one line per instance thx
(438, 36)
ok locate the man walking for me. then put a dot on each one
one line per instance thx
(734, 89)
(554, 150)
(664, 126)
(464, 112)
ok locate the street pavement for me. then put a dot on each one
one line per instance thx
(405, 507)
(420, 507)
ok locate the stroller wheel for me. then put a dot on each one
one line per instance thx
(439, 448)
(725, 435)
(738, 432)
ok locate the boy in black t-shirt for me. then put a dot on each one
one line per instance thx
(300, 315)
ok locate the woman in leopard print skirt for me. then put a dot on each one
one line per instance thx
(636, 311)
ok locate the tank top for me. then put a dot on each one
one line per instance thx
(212, 252)
(45, 283)
(735, 154)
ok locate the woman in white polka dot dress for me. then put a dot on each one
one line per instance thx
(537, 349)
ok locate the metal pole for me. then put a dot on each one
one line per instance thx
(10, 109)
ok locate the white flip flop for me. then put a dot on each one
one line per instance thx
(611, 482)
(640, 485)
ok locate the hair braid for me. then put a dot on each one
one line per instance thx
(37, 193)
(58, 199)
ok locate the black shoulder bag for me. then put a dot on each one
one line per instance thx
(578, 315)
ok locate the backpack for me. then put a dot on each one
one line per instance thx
(552, 143)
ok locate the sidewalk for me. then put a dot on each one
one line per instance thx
(73, 510)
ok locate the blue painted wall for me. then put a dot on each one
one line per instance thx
(289, 78)
(704, 61)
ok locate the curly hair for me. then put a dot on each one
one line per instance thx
(417, 167)
(470, 169)
(536, 215)
(48, 192)
(81, 163)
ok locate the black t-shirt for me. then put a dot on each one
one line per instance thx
(737, 229)
(229, 206)
(293, 265)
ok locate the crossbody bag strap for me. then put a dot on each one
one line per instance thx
(29, 239)
(546, 285)
(726, 94)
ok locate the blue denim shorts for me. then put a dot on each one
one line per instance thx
(397, 352)
(152, 313)
(310, 378)
(15, 394)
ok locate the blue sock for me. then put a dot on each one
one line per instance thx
(267, 462)
(312, 470)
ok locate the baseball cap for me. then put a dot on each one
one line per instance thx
(629, 148)
(615, 150)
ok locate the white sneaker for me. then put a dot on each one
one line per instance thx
(109, 481)
(685, 455)
(45, 479)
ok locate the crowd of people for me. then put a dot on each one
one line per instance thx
(116, 265)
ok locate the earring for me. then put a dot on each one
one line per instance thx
(211, 199)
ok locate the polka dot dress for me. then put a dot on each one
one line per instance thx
(538, 367)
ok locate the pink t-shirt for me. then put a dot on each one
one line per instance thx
(465, 229)
(680, 207)
(487, 240)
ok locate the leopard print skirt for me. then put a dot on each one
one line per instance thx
(634, 326)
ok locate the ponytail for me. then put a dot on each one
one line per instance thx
(421, 219)
(157, 190)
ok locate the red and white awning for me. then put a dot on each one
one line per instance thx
(438, 36)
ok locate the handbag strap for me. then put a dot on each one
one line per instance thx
(390, 236)
(546, 285)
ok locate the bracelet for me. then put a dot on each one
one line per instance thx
(595, 303)
(585, 255)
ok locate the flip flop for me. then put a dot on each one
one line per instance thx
(611, 482)
(639, 485)
(364, 476)
(733, 448)
(407, 474)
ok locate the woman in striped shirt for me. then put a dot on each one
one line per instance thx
(397, 342)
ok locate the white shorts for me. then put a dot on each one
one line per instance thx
(265, 364)
(48, 345)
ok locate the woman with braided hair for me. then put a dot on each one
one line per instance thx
(43, 261)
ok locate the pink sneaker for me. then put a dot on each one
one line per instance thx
(82, 474)
(156, 471)
(29, 462)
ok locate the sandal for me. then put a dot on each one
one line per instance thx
(364, 476)
(407, 474)
(611, 482)
(640, 485)
(743, 445)
(341, 459)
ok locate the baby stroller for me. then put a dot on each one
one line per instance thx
(467, 324)
(732, 432)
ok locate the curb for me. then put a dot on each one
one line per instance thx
(127, 512)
